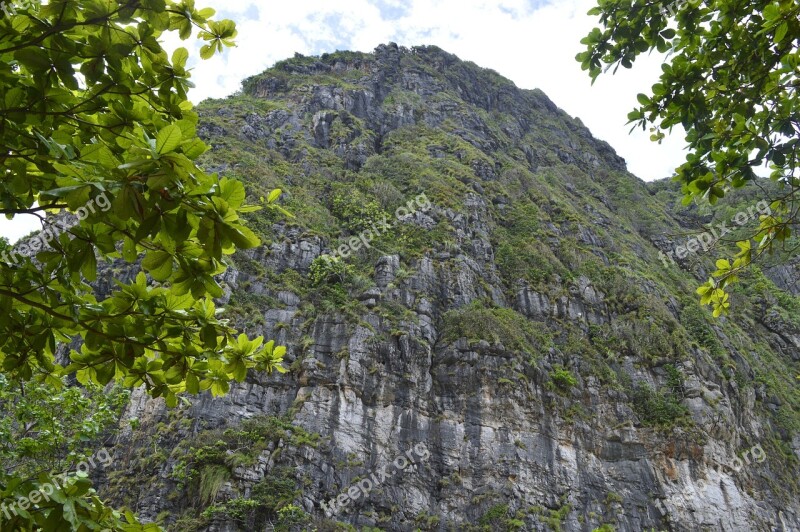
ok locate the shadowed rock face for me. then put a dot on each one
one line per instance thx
(522, 329)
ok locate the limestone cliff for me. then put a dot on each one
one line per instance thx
(506, 327)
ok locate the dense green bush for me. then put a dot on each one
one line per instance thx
(504, 325)
(656, 408)
(562, 379)
(355, 211)
(329, 269)
(696, 323)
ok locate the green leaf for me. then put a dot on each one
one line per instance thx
(274, 195)
(668, 33)
(159, 264)
(89, 265)
(241, 236)
(192, 383)
(99, 153)
(239, 371)
(781, 31)
(219, 388)
(206, 51)
(179, 57)
(194, 148)
(771, 12)
(168, 139)
(14, 97)
(232, 192)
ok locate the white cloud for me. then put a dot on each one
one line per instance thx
(531, 42)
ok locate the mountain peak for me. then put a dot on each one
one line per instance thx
(429, 86)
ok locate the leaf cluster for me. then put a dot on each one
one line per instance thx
(97, 131)
(730, 79)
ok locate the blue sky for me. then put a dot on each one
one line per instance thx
(533, 43)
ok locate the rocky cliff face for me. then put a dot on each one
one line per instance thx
(499, 345)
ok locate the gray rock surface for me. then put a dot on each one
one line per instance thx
(499, 431)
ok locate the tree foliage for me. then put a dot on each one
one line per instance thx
(329, 269)
(47, 439)
(43, 430)
(730, 78)
(98, 135)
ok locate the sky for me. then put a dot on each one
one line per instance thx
(531, 42)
